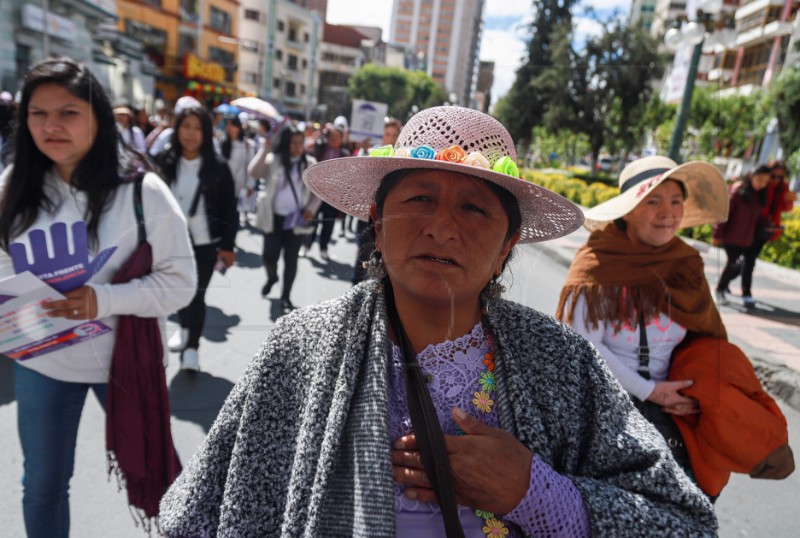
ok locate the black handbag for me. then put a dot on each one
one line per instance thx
(653, 412)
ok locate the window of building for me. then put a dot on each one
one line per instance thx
(278, 54)
(291, 89)
(187, 42)
(292, 35)
(219, 20)
(154, 3)
(291, 62)
(226, 59)
(302, 89)
(280, 26)
(305, 63)
(252, 15)
(154, 40)
(276, 83)
(306, 37)
(250, 45)
(251, 77)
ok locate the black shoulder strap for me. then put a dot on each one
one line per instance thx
(138, 209)
(196, 199)
(427, 429)
(644, 349)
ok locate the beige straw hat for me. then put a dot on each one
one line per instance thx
(453, 139)
(706, 191)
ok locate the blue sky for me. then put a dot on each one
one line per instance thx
(504, 28)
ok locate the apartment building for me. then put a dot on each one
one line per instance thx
(193, 42)
(443, 38)
(36, 29)
(764, 29)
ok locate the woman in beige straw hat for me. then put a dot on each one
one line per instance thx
(422, 402)
(635, 290)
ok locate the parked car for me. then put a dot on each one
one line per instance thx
(606, 164)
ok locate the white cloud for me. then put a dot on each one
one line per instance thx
(585, 29)
(507, 51)
(507, 8)
(362, 13)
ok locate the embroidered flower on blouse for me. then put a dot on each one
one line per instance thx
(423, 152)
(453, 154)
(487, 382)
(383, 151)
(495, 527)
(483, 401)
(477, 160)
(484, 514)
(488, 361)
(506, 165)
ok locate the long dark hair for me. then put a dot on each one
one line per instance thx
(227, 143)
(172, 154)
(747, 191)
(282, 150)
(98, 172)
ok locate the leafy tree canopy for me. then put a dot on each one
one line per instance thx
(399, 88)
(783, 101)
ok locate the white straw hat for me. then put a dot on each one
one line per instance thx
(706, 191)
(453, 139)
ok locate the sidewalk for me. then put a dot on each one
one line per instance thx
(769, 333)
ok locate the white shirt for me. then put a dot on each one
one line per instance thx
(620, 349)
(284, 202)
(184, 189)
(169, 287)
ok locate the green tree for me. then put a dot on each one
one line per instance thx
(783, 101)
(526, 102)
(399, 88)
(603, 90)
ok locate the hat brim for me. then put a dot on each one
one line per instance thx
(706, 197)
(349, 184)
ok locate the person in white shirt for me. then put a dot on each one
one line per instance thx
(284, 208)
(239, 150)
(201, 181)
(131, 134)
(67, 176)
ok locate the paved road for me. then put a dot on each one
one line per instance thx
(238, 320)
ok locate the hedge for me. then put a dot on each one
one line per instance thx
(785, 251)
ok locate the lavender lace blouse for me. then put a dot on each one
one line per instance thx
(553, 505)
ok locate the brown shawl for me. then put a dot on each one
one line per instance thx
(620, 279)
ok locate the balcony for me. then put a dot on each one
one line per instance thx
(719, 73)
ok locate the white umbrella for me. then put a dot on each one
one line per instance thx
(258, 107)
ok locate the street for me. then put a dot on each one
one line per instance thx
(238, 319)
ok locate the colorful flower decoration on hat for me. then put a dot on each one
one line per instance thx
(453, 154)
(477, 160)
(423, 152)
(506, 165)
(383, 151)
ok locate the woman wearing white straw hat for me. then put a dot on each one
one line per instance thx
(421, 402)
(636, 290)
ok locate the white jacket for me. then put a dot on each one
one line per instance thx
(169, 287)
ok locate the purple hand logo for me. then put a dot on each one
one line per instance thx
(65, 270)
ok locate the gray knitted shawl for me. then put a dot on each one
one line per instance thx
(301, 446)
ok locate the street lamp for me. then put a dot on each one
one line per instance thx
(694, 34)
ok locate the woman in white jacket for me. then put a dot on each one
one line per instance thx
(239, 150)
(284, 207)
(66, 192)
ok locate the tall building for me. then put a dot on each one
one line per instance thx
(643, 11)
(341, 53)
(483, 89)
(443, 38)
